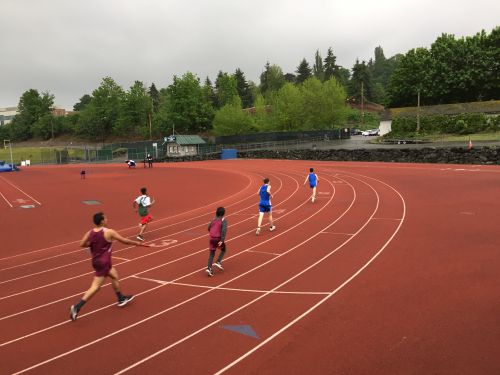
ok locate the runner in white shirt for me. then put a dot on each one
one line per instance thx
(142, 204)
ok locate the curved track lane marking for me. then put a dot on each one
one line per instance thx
(135, 227)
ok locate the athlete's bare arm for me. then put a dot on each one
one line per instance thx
(85, 240)
(111, 235)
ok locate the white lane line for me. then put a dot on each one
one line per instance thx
(158, 220)
(115, 257)
(5, 199)
(339, 233)
(162, 282)
(160, 286)
(20, 190)
(251, 351)
(248, 290)
(126, 248)
(261, 252)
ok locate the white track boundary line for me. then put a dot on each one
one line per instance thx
(319, 303)
(159, 286)
(162, 282)
(147, 270)
(157, 220)
(11, 184)
(262, 252)
(127, 248)
(185, 338)
(248, 290)
(5, 199)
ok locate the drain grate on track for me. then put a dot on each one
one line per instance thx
(91, 202)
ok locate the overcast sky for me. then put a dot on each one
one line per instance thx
(66, 47)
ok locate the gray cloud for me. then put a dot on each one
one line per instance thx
(66, 46)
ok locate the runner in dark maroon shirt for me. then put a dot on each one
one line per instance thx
(100, 239)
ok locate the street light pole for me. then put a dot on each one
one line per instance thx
(418, 110)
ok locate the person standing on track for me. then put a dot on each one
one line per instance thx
(265, 205)
(217, 229)
(313, 182)
(100, 239)
(142, 204)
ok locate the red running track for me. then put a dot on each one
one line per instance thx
(394, 269)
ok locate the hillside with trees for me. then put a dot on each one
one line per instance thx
(313, 97)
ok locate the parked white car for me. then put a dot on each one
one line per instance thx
(371, 132)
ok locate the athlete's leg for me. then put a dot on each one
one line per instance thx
(94, 287)
(271, 219)
(115, 280)
(259, 221)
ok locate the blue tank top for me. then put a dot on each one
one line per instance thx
(264, 195)
(312, 178)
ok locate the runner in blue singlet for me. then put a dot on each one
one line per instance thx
(265, 205)
(313, 182)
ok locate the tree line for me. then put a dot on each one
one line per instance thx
(311, 98)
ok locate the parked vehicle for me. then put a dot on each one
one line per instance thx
(356, 132)
(370, 132)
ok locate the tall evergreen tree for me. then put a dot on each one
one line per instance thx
(361, 81)
(330, 65)
(209, 93)
(303, 71)
(155, 97)
(243, 89)
(318, 70)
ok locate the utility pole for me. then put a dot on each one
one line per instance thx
(362, 103)
(418, 110)
(149, 117)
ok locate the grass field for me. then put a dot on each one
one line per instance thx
(38, 155)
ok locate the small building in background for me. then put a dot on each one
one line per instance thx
(183, 145)
(7, 114)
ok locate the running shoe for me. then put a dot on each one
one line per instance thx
(125, 300)
(140, 238)
(272, 228)
(73, 313)
(218, 265)
(209, 272)
(257, 232)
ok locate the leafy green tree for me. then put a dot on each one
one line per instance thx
(84, 101)
(303, 71)
(271, 79)
(323, 104)
(32, 106)
(413, 73)
(184, 106)
(287, 108)
(231, 119)
(46, 127)
(318, 69)
(99, 117)
(225, 88)
(136, 108)
(261, 118)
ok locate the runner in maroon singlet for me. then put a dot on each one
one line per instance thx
(99, 240)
